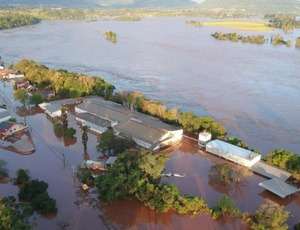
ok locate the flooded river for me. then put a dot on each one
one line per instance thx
(251, 89)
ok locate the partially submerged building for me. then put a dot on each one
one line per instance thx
(233, 153)
(147, 131)
(9, 128)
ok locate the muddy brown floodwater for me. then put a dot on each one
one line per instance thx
(55, 161)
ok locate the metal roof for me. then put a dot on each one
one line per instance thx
(94, 119)
(270, 171)
(278, 187)
(140, 131)
(232, 149)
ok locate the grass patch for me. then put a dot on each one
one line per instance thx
(241, 25)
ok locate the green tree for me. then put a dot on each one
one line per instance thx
(36, 99)
(225, 206)
(22, 96)
(13, 215)
(70, 132)
(108, 142)
(22, 176)
(221, 173)
(269, 216)
(35, 192)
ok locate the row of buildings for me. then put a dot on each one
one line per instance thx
(147, 131)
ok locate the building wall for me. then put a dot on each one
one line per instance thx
(14, 128)
(231, 157)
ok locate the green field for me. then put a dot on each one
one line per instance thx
(241, 25)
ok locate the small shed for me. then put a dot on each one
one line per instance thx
(204, 138)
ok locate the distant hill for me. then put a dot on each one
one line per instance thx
(101, 3)
(265, 6)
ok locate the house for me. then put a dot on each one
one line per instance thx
(21, 84)
(4, 73)
(51, 110)
(9, 128)
(4, 115)
(147, 131)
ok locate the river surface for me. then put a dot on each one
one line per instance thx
(252, 89)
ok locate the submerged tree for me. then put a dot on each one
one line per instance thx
(269, 216)
(85, 136)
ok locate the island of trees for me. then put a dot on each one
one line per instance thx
(111, 36)
(194, 23)
(258, 39)
(13, 20)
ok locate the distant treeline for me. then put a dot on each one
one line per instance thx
(276, 39)
(13, 20)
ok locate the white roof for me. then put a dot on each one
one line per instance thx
(229, 148)
(278, 187)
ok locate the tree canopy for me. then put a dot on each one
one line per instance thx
(109, 142)
(269, 216)
(138, 174)
(65, 84)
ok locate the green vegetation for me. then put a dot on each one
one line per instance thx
(235, 141)
(234, 37)
(194, 23)
(240, 25)
(287, 22)
(278, 39)
(225, 206)
(35, 192)
(62, 129)
(65, 84)
(269, 216)
(3, 170)
(13, 20)
(25, 98)
(137, 174)
(111, 36)
(285, 160)
(23, 176)
(194, 124)
(110, 143)
(14, 215)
